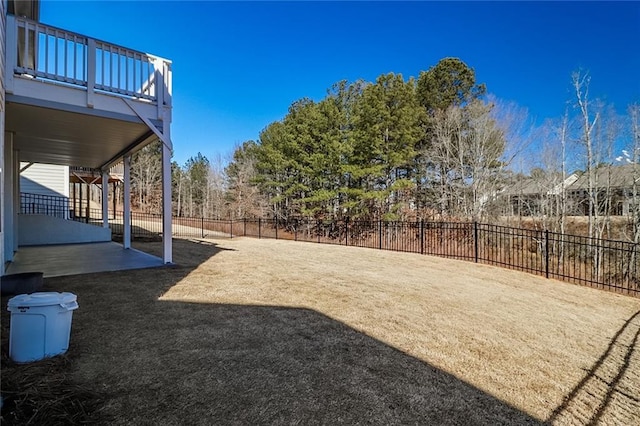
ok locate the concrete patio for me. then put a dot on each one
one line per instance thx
(74, 259)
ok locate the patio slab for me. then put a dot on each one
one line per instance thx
(74, 259)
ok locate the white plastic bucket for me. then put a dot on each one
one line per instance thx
(40, 325)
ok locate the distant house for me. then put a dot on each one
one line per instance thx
(614, 186)
(529, 196)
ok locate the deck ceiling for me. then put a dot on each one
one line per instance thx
(55, 136)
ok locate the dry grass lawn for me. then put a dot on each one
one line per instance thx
(249, 331)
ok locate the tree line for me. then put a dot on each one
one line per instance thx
(393, 149)
(432, 147)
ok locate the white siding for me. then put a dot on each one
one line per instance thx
(8, 198)
(3, 20)
(45, 179)
(4, 251)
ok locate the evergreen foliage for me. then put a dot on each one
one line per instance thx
(375, 150)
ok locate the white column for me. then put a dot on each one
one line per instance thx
(166, 204)
(2, 197)
(7, 198)
(16, 197)
(105, 199)
(126, 219)
(167, 210)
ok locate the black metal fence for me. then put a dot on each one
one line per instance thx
(605, 264)
(49, 205)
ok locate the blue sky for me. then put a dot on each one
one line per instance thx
(237, 66)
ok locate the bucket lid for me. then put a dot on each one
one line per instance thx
(47, 298)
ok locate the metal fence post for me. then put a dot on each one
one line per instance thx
(276, 227)
(318, 226)
(244, 233)
(546, 252)
(202, 226)
(380, 234)
(259, 228)
(231, 228)
(295, 230)
(346, 231)
(475, 240)
(421, 236)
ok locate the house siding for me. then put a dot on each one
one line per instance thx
(3, 20)
(4, 251)
(45, 179)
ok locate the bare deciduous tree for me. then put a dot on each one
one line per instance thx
(580, 83)
(243, 195)
(146, 173)
(631, 156)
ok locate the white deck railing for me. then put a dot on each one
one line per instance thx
(52, 54)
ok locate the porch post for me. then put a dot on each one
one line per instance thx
(115, 198)
(105, 199)
(166, 204)
(79, 213)
(167, 211)
(126, 216)
(88, 201)
(8, 197)
(16, 198)
(2, 199)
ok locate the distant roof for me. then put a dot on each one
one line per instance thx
(535, 186)
(527, 186)
(615, 176)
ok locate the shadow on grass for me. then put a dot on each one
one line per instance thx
(589, 399)
(157, 361)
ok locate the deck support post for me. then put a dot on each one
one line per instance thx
(105, 199)
(126, 217)
(166, 201)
